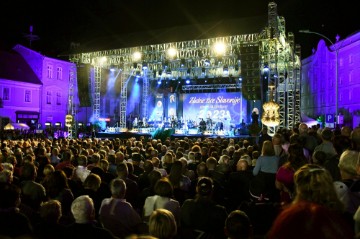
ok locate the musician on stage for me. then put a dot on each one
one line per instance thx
(202, 125)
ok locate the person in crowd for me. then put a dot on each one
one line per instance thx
(348, 164)
(50, 226)
(66, 160)
(81, 171)
(33, 193)
(285, 175)
(162, 224)
(238, 184)
(326, 145)
(57, 188)
(91, 187)
(315, 202)
(163, 198)
(13, 223)
(85, 225)
(263, 184)
(238, 226)
(156, 163)
(111, 208)
(143, 180)
(132, 190)
(179, 181)
(202, 214)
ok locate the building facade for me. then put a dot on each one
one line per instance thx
(35, 89)
(321, 76)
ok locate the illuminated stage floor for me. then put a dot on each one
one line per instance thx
(172, 133)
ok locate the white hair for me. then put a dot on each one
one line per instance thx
(83, 209)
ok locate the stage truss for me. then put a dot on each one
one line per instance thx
(198, 59)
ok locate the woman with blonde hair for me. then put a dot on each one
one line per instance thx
(162, 224)
(263, 184)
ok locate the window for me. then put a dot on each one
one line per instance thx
(58, 98)
(48, 97)
(59, 73)
(50, 71)
(27, 96)
(6, 94)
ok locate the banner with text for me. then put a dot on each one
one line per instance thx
(227, 106)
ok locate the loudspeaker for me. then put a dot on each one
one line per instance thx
(250, 72)
(83, 81)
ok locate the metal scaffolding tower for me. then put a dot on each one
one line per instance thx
(71, 105)
(97, 87)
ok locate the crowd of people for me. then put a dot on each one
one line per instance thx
(298, 183)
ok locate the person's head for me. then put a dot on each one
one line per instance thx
(50, 211)
(118, 188)
(320, 222)
(163, 188)
(346, 131)
(6, 176)
(154, 176)
(327, 134)
(48, 169)
(93, 182)
(82, 160)
(303, 128)
(148, 166)
(347, 164)
(10, 196)
(122, 170)
(204, 187)
(162, 224)
(238, 225)
(319, 157)
(296, 157)
(315, 184)
(211, 163)
(267, 148)
(155, 161)
(201, 169)
(355, 138)
(242, 165)
(83, 209)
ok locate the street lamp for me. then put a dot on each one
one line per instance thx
(336, 69)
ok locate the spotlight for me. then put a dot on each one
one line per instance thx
(144, 66)
(159, 82)
(187, 81)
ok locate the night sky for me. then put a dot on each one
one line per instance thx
(58, 23)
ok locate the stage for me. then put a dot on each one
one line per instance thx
(163, 133)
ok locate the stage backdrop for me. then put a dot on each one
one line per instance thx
(225, 107)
